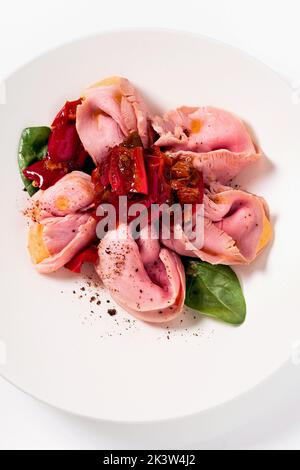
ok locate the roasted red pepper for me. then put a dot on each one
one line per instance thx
(100, 180)
(127, 172)
(64, 144)
(186, 182)
(154, 178)
(158, 172)
(44, 174)
(65, 150)
(67, 114)
(89, 255)
(139, 184)
(122, 173)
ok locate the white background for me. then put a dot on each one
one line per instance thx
(268, 417)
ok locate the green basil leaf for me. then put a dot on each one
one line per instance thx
(215, 290)
(33, 146)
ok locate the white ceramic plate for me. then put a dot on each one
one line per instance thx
(109, 367)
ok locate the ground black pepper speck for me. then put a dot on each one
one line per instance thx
(112, 311)
(130, 325)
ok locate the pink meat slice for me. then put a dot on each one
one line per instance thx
(153, 291)
(67, 225)
(64, 237)
(220, 165)
(138, 110)
(108, 114)
(244, 220)
(235, 222)
(72, 193)
(217, 141)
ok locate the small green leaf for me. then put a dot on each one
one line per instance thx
(33, 146)
(215, 290)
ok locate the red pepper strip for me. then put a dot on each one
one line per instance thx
(82, 156)
(65, 150)
(159, 186)
(116, 178)
(43, 176)
(100, 175)
(66, 114)
(127, 172)
(89, 255)
(140, 184)
(153, 167)
(64, 144)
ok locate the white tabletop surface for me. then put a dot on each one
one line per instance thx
(269, 416)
